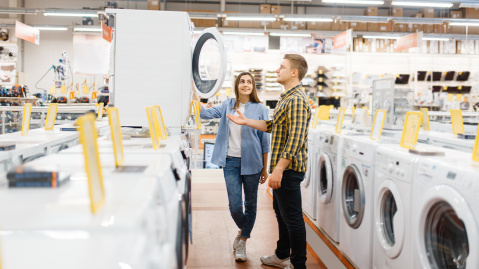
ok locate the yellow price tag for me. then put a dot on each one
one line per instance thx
(314, 123)
(218, 93)
(196, 110)
(425, 119)
(85, 89)
(353, 111)
(378, 124)
(331, 107)
(100, 112)
(63, 89)
(53, 90)
(228, 91)
(475, 150)
(160, 123)
(339, 121)
(324, 112)
(72, 95)
(459, 97)
(88, 138)
(457, 122)
(51, 116)
(115, 127)
(366, 109)
(411, 130)
(450, 97)
(151, 122)
(27, 110)
(93, 95)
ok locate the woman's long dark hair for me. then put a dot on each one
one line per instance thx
(254, 94)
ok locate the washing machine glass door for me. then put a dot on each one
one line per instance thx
(389, 218)
(326, 178)
(308, 174)
(209, 63)
(353, 196)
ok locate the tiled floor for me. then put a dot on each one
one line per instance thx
(214, 229)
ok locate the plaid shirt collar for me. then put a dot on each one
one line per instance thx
(291, 91)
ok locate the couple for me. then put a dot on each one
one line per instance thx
(243, 154)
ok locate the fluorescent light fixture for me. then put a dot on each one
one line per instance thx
(381, 37)
(464, 23)
(436, 38)
(51, 28)
(353, 2)
(17, 11)
(63, 13)
(290, 34)
(422, 4)
(87, 29)
(469, 5)
(308, 19)
(234, 18)
(244, 33)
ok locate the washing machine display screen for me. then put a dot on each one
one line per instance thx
(388, 212)
(446, 238)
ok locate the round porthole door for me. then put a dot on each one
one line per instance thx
(326, 178)
(353, 196)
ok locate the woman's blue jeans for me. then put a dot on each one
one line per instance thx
(235, 183)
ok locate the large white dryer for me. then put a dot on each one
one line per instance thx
(445, 217)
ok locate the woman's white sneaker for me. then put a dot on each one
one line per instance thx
(240, 253)
(237, 239)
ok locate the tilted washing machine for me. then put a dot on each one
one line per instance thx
(445, 214)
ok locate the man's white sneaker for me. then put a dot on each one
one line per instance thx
(273, 260)
(240, 253)
(237, 239)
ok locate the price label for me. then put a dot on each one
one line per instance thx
(85, 89)
(100, 111)
(315, 119)
(339, 122)
(196, 110)
(324, 112)
(93, 95)
(115, 127)
(411, 130)
(51, 116)
(27, 111)
(425, 119)
(450, 97)
(53, 90)
(151, 122)
(459, 97)
(63, 89)
(88, 138)
(378, 124)
(475, 150)
(353, 111)
(72, 95)
(160, 123)
(457, 122)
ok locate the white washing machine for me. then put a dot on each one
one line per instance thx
(309, 184)
(445, 216)
(446, 140)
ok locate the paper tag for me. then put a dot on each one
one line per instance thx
(425, 119)
(339, 122)
(459, 97)
(151, 122)
(100, 112)
(228, 91)
(88, 138)
(114, 120)
(72, 95)
(475, 150)
(457, 122)
(353, 111)
(315, 119)
(85, 89)
(160, 123)
(51, 116)
(196, 110)
(63, 89)
(53, 90)
(27, 110)
(378, 124)
(324, 112)
(450, 97)
(411, 130)
(93, 95)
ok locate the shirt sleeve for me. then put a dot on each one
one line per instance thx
(212, 112)
(265, 137)
(269, 126)
(297, 120)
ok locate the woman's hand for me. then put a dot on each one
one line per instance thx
(240, 119)
(263, 177)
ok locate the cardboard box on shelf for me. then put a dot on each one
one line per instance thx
(276, 9)
(386, 27)
(229, 24)
(470, 13)
(441, 29)
(472, 30)
(417, 15)
(319, 26)
(401, 27)
(296, 25)
(359, 26)
(455, 14)
(396, 12)
(428, 12)
(274, 25)
(371, 11)
(264, 9)
(417, 28)
(202, 22)
(249, 24)
(373, 27)
(460, 30)
(340, 26)
(153, 4)
(428, 28)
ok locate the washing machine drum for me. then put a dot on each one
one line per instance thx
(447, 245)
(326, 178)
(353, 196)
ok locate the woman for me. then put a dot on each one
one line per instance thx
(242, 152)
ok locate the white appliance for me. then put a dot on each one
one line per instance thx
(153, 63)
(392, 238)
(445, 216)
(446, 140)
(309, 184)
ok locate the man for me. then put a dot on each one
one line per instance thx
(289, 129)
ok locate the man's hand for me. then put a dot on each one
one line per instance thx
(263, 177)
(240, 119)
(275, 179)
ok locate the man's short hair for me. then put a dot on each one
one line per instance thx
(297, 62)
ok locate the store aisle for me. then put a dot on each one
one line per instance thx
(214, 229)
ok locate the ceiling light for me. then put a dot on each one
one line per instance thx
(291, 35)
(87, 29)
(308, 19)
(353, 2)
(17, 11)
(436, 38)
(243, 33)
(464, 23)
(469, 5)
(234, 18)
(51, 28)
(64, 13)
(422, 4)
(381, 37)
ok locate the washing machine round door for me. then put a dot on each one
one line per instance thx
(326, 178)
(446, 230)
(308, 174)
(353, 196)
(389, 219)
(209, 63)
